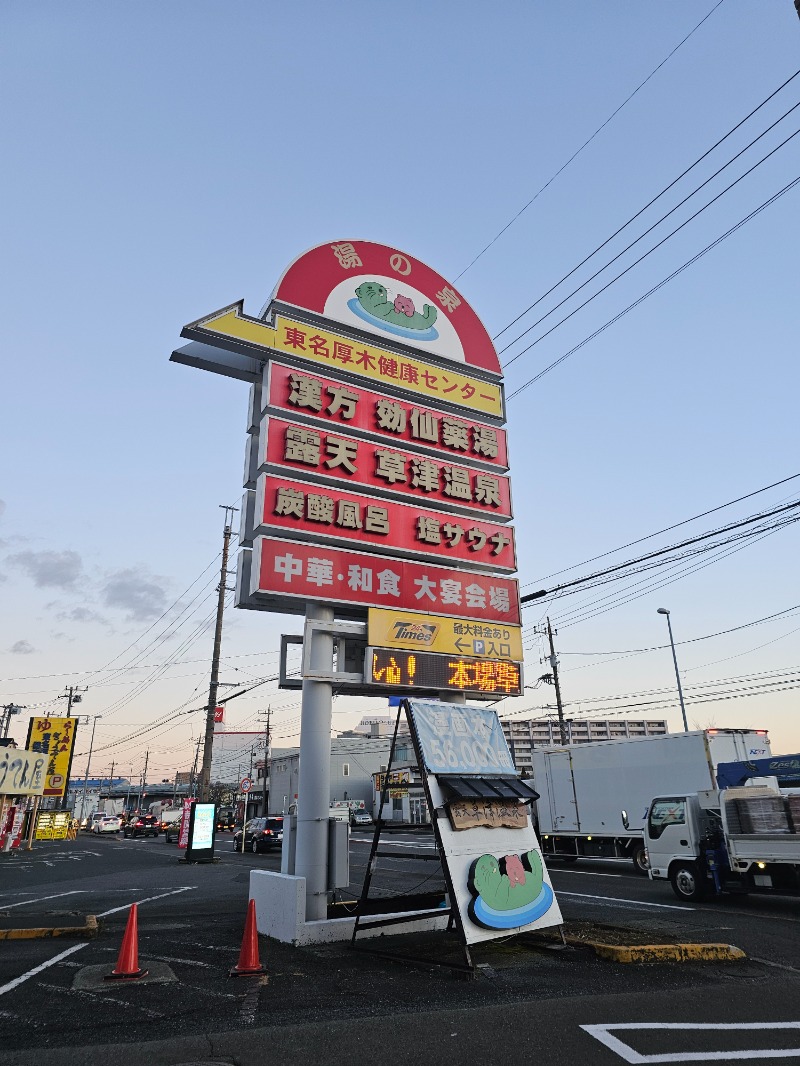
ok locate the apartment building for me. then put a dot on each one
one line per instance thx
(525, 734)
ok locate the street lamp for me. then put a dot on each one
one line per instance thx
(88, 763)
(663, 610)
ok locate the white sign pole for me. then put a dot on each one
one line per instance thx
(314, 785)
(244, 821)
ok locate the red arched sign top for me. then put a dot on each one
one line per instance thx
(389, 293)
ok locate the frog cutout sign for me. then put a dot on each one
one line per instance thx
(508, 892)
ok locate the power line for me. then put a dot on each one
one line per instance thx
(642, 257)
(670, 277)
(650, 203)
(587, 142)
(667, 529)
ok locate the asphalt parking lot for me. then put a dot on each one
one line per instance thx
(310, 1001)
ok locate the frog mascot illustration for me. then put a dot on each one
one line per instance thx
(373, 298)
(508, 892)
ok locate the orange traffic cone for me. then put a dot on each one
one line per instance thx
(127, 968)
(248, 964)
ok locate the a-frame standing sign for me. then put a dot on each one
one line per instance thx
(497, 883)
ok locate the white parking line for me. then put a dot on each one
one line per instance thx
(41, 899)
(10, 985)
(149, 899)
(628, 902)
(602, 1033)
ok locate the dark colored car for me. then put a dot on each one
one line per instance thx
(226, 819)
(142, 825)
(260, 834)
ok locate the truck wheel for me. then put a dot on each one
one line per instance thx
(639, 857)
(687, 882)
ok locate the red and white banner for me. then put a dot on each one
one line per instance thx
(286, 570)
(310, 450)
(397, 421)
(378, 525)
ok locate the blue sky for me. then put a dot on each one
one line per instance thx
(161, 161)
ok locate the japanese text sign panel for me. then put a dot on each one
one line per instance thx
(457, 739)
(286, 569)
(309, 450)
(54, 738)
(397, 668)
(466, 814)
(449, 636)
(378, 365)
(382, 367)
(22, 773)
(381, 525)
(355, 409)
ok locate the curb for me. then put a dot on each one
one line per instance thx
(89, 931)
(663, 952)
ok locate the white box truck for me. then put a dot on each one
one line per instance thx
(594, 798)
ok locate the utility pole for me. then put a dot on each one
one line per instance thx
(208, 743)
(88, 764)
(193, 783)
(143, 784)
(553, 679)
(267, 761)
(8, 709)
(73, 694)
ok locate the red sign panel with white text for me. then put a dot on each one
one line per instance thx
(283, 568)
(311, 450)
(404, 422)
(381, 525)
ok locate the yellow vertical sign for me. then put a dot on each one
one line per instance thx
(55, 739)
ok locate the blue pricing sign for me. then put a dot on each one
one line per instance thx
(458, 739)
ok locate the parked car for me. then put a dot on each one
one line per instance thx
(108, 823)
(260, 834)
(360, 818)
(145, 825)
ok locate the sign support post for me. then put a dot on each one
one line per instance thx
(316, 713)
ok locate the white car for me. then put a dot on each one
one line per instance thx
(109, 823)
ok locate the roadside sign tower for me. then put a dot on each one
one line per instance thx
(376, 491)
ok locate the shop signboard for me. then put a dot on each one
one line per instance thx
(388, 419)
(202, 831)
(494, 866)
(55, 739)
(285, 574)
(22, 772)
(183, 832)
(322, 515)
(398, 669)
(314, 453)
(52, 825)
(414, 630)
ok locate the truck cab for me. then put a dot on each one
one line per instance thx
(675, 832)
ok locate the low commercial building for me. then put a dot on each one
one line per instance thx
(353, 762)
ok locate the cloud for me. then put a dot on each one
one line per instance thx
(50, 569)
(22, 647)
(139, 595)
(2, 508)
(81, 614)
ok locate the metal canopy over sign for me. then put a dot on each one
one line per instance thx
(449, 636)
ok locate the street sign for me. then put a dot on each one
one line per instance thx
(395, 668)
(246, 784)
(413, 630)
